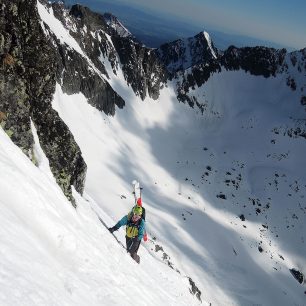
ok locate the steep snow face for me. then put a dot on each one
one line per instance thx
(57, 28)
(209, 41)
(52, 254)
(223, 189)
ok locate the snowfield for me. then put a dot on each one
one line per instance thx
(52, 254)
(224, 192)
(185, 161)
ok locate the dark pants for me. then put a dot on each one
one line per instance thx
(132, 246)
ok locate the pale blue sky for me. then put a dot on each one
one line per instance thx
(280, 21)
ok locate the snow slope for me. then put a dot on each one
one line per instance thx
(223, 190)
(52, 254)
(184, 160)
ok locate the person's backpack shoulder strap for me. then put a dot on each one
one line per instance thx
(143, 215)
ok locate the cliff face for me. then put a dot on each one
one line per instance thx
(83, 71)
(27, 82)
(142, 69)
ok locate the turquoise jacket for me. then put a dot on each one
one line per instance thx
(141, 226)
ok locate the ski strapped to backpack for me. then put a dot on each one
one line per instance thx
(138, 202)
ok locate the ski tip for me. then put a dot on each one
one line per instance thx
(134, 182)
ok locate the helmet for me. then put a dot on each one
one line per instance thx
(137, 210)
(139, 202)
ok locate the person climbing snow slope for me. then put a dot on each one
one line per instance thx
(135, 230)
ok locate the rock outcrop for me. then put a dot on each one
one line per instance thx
(261, 61)
(27, 82)
(142, 68)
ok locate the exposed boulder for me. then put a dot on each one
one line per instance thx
(194, 289)
(299, 276)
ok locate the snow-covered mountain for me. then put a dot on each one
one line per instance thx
(86, 109)
(185, 53)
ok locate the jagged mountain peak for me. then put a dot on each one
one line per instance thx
(87, 16)
(187, 52)
(115, 24)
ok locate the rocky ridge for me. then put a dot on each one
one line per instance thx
(27, 82)
(114, 23)
(192, 61)
(98, 37)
